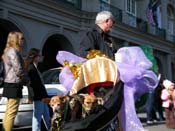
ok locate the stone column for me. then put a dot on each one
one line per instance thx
(168, 67)
(164, 13)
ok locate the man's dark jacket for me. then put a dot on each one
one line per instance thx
(95, 38)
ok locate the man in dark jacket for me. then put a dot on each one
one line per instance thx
(98, 37)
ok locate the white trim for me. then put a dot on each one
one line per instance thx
(130, 11)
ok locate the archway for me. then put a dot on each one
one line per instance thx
(50, 49)
(5, 28)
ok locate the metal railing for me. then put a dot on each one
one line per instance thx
(160, 32)
(141, 25)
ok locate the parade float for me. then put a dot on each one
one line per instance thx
(123, 81)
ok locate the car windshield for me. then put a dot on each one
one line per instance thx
(51, 76)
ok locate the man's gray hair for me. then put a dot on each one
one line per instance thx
(103, 16)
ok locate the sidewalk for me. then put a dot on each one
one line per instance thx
(159, 126)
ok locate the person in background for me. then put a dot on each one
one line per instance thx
(40, 96)
(168, 97)
(98, 38)
(150, 108)
(15, 77)
(158, 101)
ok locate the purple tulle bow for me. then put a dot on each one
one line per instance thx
(66, 77)
(64, 55)
(134, 71)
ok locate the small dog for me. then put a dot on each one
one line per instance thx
(75, 104)
(82, 105)
(58, 104)
(90, 104)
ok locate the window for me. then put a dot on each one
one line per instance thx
(171, 19)
(131, 7)
(105, 5)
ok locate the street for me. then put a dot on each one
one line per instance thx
(159, 126)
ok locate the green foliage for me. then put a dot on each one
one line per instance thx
(148, 50)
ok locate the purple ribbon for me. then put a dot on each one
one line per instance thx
(138, 79)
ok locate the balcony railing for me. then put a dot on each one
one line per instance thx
(160, 32)
(141, 25)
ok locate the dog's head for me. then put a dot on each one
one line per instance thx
(58, 102)
(75, 100)
(88, 102)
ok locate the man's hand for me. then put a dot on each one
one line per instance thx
(46, 100)
(30, 101)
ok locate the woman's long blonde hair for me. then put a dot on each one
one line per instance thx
(13, 40)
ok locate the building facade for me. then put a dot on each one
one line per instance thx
(53, 25)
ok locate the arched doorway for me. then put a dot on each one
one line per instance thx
(50, 49)
(5, 28)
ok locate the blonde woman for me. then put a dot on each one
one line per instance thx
(14, 77)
